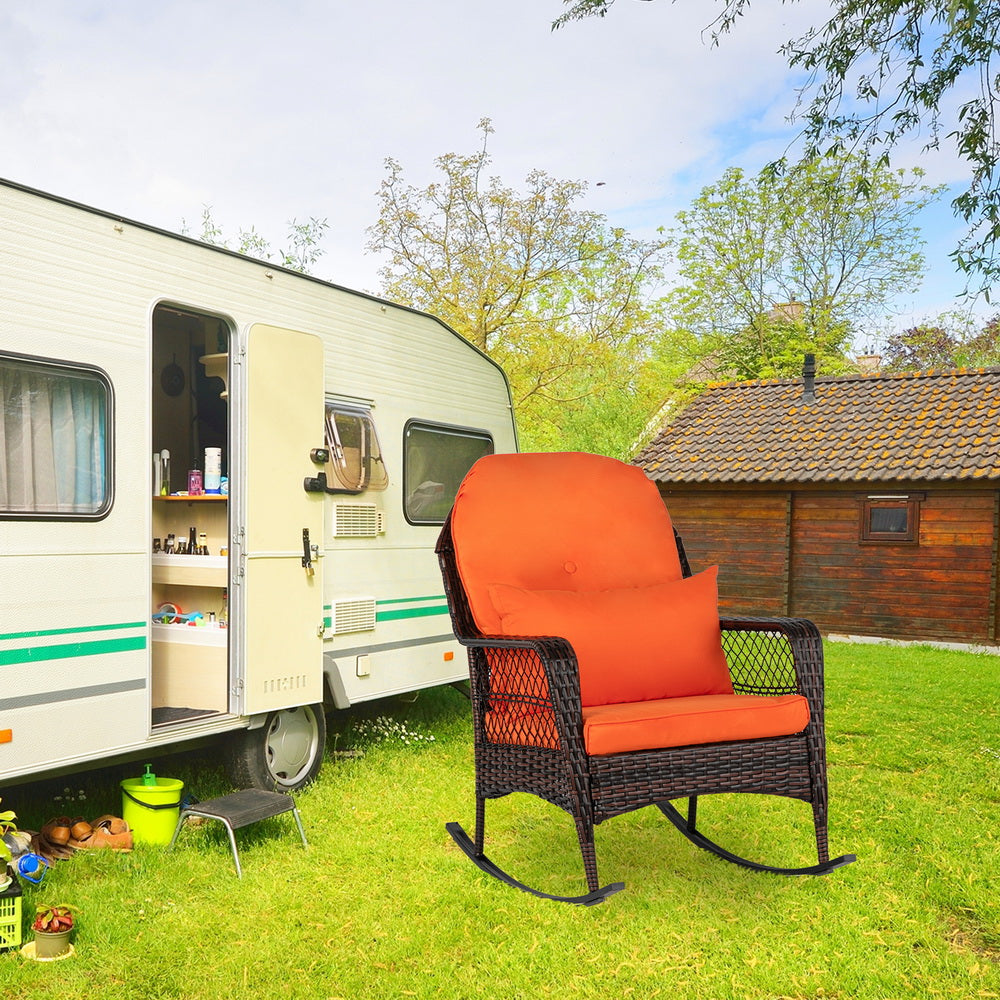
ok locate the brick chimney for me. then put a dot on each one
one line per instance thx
(869, 364)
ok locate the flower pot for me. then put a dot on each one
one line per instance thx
(51, 945)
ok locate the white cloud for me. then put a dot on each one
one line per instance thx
(268, 112)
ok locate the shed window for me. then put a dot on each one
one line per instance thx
(893, 519)
(55, 450)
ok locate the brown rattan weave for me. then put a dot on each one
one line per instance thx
(528, 732)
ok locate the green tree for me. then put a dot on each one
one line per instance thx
(983, 349)
(920, 348)
(562, 300)
(301, 253)
(879, 72)
(774, 266)
(949, 341)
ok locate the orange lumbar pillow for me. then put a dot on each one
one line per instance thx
(632, 644)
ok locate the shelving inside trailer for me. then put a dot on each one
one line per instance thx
(190, 543)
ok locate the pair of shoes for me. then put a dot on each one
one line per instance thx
(105, 831)
(61, 837)
(52, 841)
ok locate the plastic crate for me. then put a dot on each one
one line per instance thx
(10, 916)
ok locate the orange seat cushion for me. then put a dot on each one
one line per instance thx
(633, 644)
(677, 722)
(558, 521)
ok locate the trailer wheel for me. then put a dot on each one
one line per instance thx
(282, 755)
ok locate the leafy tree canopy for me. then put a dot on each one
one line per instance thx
(775, 266)
(563, 301)
(882, 71)
(950, 341)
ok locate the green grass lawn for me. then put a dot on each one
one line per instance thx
(384, 905)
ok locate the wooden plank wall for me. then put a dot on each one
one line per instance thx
(940, 589)
(746, 535)
(799, 553)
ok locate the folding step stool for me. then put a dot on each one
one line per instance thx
(241, 809)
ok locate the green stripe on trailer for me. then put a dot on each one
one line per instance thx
(425, 612)
(37, 654)
(39, 633)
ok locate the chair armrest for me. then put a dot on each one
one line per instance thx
(556, 657)
(559, 693)
(775, 656)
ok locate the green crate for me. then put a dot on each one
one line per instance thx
(10, 916)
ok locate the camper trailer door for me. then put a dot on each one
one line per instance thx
(281, 572)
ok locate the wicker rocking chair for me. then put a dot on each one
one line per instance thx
(602, 678)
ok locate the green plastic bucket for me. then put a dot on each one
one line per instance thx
(151, 811)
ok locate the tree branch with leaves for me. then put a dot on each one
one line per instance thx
(882, 72)
(566, 303)
(827, 250)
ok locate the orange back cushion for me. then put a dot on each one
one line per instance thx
(632, 644)
(558, 521)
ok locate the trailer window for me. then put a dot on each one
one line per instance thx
(355, 463)
(55, 421)
(435, 460)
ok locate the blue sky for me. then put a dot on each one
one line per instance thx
(268, 112)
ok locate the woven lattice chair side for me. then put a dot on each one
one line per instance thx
(529, 720)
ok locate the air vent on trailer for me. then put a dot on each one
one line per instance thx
(356, 615)
(356, 520)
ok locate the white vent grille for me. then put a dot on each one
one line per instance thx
(355, 520)
(357, 615)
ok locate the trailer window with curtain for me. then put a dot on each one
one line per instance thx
(55, 421)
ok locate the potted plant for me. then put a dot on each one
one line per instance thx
(53, 925)
(7, 828)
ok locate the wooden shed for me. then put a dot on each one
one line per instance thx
(870, 504)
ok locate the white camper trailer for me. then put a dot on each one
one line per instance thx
(329, 429)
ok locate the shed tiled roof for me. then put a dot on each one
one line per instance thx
(938, 425)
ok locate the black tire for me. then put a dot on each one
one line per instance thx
(282, 755)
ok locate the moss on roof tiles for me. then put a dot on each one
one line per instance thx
(859, 427)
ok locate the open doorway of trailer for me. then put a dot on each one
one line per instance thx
(190, 452)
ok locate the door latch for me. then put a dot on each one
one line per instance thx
(307, 553)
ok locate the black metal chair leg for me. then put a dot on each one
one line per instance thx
(484, 864)
(700, 840)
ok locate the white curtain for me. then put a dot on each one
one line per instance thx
(52, 440)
